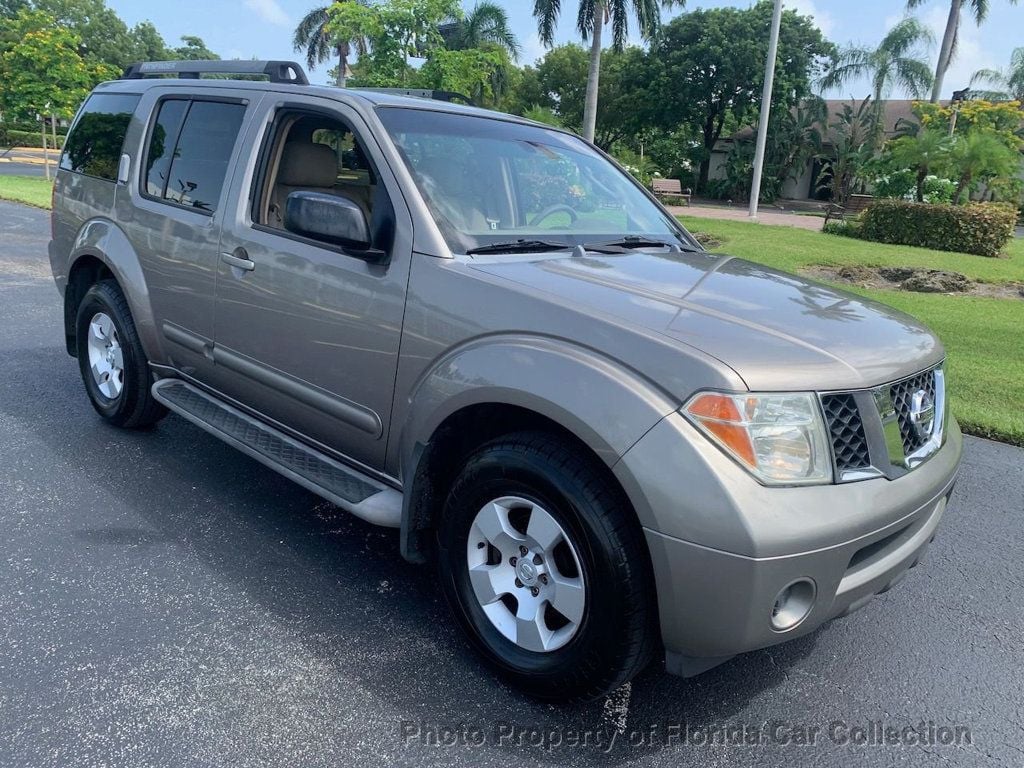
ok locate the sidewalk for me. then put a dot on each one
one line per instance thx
(766, 215)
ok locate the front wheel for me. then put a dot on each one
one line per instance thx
(111, 359)
(545, 567)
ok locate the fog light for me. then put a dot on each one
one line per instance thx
(792, 604)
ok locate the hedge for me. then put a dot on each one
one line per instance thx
(11, 138)
(979, 228)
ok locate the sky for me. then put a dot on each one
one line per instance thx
(263, 28)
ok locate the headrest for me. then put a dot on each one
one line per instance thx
(307, 165)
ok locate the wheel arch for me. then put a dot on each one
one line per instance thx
(509, 384)
(102, 251)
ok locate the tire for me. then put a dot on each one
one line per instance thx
(106, 338)
(589, 651)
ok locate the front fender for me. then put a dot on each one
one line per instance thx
(604, 404)
(102, 239)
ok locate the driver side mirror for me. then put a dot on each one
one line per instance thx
(331, 219)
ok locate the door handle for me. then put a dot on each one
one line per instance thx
(239, 259)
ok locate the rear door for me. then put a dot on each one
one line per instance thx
(307, 333)
(171, 214)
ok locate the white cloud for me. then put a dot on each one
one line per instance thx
(808, 8)
(270, 11)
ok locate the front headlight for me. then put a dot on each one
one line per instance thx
(780, 438)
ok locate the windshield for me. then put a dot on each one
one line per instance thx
(494, 181)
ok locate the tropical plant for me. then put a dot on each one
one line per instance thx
(1005, 83)
(979, 9)
(981, 156)
(486, 23)
(591, 17)
(899, 61)
(853, 133)
(313, 39)
(924, 153)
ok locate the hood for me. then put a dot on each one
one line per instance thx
(776, 330)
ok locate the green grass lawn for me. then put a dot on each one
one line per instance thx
(984, 338)
(26, 189)
(791, 249)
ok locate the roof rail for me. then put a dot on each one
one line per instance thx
(275, 71)
(423, 93)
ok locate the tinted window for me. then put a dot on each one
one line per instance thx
(200, 160)
(161, 145)
(94, 146)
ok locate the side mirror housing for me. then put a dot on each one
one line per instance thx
(329, 218)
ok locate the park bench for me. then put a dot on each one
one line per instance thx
(853, 208)
(670, 188)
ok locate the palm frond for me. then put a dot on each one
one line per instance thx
(546, 12)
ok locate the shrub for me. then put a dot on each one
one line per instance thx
(842, 228)
(30, 139)
(980, 228)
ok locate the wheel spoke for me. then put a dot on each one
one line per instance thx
(568, 598)
(543, 529)
(491, 581)
(118, 357)
(531, 632)
(493, 524)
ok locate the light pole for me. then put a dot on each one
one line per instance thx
(766, 107)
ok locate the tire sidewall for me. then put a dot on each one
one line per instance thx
(507, 472)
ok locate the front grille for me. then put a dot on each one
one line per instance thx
(849, 443)
(902, 393)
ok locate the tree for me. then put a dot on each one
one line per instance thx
(194, 49)
(898, 61)
(924, 152)
(981, 156)
(705, 70)
(853, 148)
(472, 72)
(590, 20)
(394, 31)
(1008, 83)
(314, 40)
(43, 72)
(103, 36)
(486, 23)
(979, 9)
(147, 43)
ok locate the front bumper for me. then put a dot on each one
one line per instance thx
(723, 547)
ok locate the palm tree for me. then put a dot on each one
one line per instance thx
(980, 155)
(311, 37)
(979, 9)
(591, 17)
(923, 152)
(1008, 83)
(898, 61)
(486, 23)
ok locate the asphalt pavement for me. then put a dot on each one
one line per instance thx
(166, 601)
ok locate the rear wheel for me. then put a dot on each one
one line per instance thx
(545, 567)
(111, 359)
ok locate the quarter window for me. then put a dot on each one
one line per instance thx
(95, 144)
(189, 150)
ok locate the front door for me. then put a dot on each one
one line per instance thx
(306, 333)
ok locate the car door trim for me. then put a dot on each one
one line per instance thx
(353, 414)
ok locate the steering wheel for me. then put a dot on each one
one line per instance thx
(553, 209)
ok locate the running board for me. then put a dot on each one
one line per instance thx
(350, 489)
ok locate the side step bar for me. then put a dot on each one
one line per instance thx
(350, 489)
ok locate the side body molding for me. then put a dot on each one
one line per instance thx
(606, 405)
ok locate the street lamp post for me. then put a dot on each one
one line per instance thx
(766, 107)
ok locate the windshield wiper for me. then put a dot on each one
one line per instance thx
(636, 241)
(520, 246)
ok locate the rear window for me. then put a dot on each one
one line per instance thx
(190, 146)
(96, 141)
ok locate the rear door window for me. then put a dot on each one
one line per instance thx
(96, 142)
(189, 149)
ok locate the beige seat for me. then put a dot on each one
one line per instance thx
(308, 167)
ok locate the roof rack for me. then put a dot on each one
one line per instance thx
(275, 71)
(423, 93)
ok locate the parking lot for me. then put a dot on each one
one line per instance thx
(167, 601)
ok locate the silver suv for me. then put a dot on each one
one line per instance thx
(613, 445)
